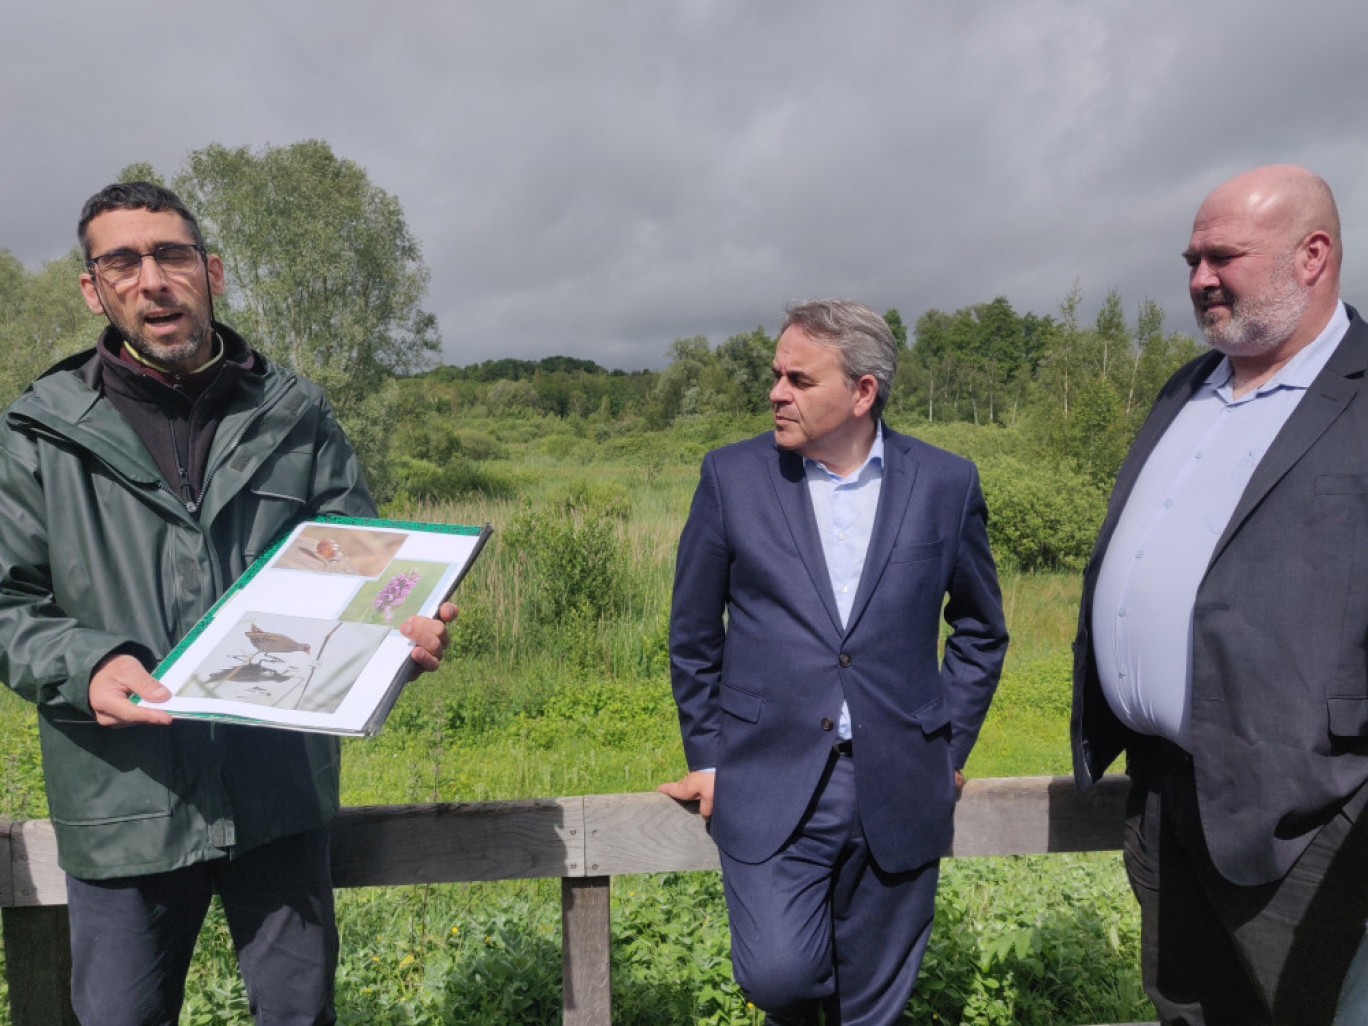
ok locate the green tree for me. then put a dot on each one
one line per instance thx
(1112, 335)
(895, 324)
(323, 275)
(45, 319)
(744, 360)
(679, 388)
(973, 364)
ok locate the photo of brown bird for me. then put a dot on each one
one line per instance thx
(273, 643)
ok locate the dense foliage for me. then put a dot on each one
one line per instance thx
(44, 318)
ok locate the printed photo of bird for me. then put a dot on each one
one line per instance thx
(272, 642)
(323, 554)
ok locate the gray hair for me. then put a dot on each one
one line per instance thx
(863, 337)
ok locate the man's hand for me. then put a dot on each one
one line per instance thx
(429, 636)
(959, 784)
(696, 786)
(115, 678)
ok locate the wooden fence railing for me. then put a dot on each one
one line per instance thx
(585, 841)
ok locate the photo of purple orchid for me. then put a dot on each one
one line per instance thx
(394, 592)
(397, 592)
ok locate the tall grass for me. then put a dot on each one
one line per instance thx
(525, 708)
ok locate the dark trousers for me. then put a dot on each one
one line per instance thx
(131, 938)
(1217, 954)
(820, 925)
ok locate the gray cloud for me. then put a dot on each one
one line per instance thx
(599, 178)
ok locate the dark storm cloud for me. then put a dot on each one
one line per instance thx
(600, 178)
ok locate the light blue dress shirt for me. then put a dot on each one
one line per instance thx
(845, 508)
(1180, 505)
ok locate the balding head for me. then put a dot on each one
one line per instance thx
(1283, 198)
(1265, 259)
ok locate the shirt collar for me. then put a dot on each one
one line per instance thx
(1299, 371)
(874, 458)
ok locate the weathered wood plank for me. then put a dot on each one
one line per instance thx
(7, 864)
(586, 950)
(644, 833)
(29, 866)
(375, 845)
(601, 835)
(38, 965)
(584, 840)
(1028, 815)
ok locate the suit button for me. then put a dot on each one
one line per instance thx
(827, 723)
(845, 659)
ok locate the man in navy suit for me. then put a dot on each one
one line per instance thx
(1223, 628)
(824, 735)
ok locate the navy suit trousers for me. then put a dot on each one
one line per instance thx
(820, 925)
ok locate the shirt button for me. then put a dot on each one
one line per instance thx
(827, 723)
(844, 589)
(845, 659)
(1121, 611)
(1168, 503)
(1140, 554)
(841, 536)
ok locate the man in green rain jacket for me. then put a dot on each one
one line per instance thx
(137, 481)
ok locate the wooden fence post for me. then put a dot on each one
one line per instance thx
(585, 951)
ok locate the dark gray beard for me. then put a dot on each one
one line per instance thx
(195, 345)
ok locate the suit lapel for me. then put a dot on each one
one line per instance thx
(789, 479)
(895, 491)
(1327, 397)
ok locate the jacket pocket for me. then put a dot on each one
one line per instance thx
(741, 704)
(1342, 484)
(933, 717)
(279, 491)
(1348, 715)
(914, 553)
(97, 775)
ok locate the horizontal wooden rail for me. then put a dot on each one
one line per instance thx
(584, 840)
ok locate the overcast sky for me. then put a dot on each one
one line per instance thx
(597, 179)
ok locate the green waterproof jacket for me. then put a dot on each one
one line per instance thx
(98, 555)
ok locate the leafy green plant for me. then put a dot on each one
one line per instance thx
(1040, 517)
(569, 542)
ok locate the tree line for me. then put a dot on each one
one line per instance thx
(325, 276)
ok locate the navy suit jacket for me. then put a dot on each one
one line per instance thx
(1279, 629)
(759, 689)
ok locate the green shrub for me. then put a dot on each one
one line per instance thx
(570, 548)
(568, 447)
(1040, 517)
(425, 480)
(478, 445)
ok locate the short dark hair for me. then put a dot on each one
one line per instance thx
(133, 196)
(863, 338)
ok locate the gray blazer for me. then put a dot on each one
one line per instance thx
(1280, 629)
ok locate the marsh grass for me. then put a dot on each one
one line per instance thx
(524, 707)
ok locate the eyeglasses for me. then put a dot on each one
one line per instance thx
(123, 265)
